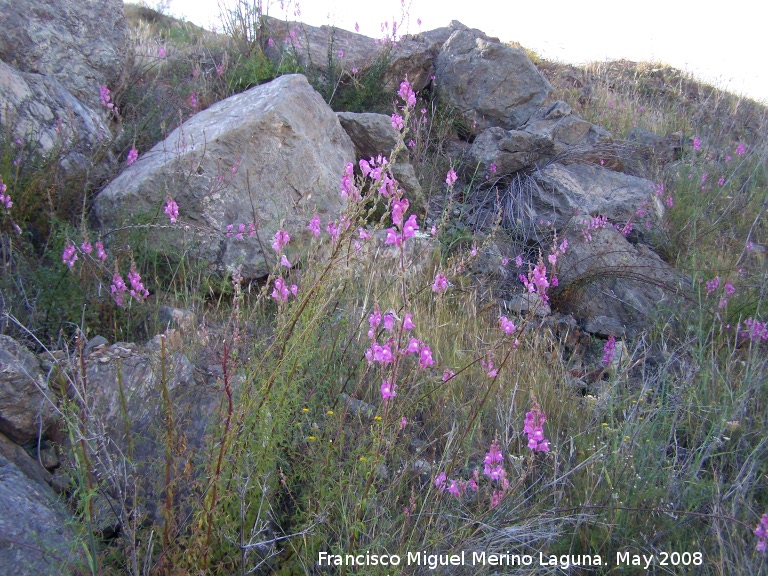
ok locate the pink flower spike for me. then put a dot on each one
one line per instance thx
(172, 210)
(451, 177)
(69, 255)
(425, 357)
(133, 155)
(410, 227)
(413, 346)
(440, 284)
(100, 253)
(86, 246)
(314, 225)
(507, 325)
(440, 481)
(281, 239)
(388, 390)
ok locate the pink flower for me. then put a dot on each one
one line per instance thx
(100, 253)
(451, 178)
(448, 374)
(397, 122)
(696, 143)
(440, 284)
(137, 288)
(728, 288)
(519, 261)
(741, 149)
(285, 262)
(86, 246)
(534, 422)
(413, 346)
(407, 94)
(105, 97)
(609, 350)
(425, 357)
(117, 288)
(314, 225)
(507, 325)
(388, 390)
(341, 53)
(440, 481)
(281, 239)
(172, 210)
(393, 238)
(132, 156)
(69, 255)
(333, 230)
(161, 52)
(271, 43)
(389, 322)
(399, 208)
(409, 230)
(713, 285)
(280, 293)
(193, 99)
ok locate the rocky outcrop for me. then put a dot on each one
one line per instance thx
(270, 157)
(37, 533)
(565, 128)
(488, 83)
(125, 400)
(25, 412)
(612, 285)
(507, 151)
(565, 195)
(80, 43)
(40, 111)
(329, 50)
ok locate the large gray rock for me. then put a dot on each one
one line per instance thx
(39, 110)
(608, 282)
(274, 154)
(559, 123)
(80, 43)
(126, 405)
(328, 49)
(25, 412)
(488, 83)
(37, 536)
(567, 194)
(508, 150)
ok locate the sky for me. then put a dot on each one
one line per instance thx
(722, 43)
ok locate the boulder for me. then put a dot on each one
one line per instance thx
(270, 157)
(571, 194)
(509, 150)
(80, 43)
(125, 399)
(559, 123)
(25, 412)
(32, 469)
(40, 111)
(488, 83)
(329, 49)
(37, 533)
(663, 149)
(611, 286)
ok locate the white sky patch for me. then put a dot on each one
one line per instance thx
(723, 44)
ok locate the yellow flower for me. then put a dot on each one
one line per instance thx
(305, 410)
(330, 412)
(362, 458)
(377, 418)
(312, 438)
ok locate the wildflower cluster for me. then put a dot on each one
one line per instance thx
(755, 330)
(493, 469)
(281, 239)
(728, 290)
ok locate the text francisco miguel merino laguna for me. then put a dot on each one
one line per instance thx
(434, 561)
